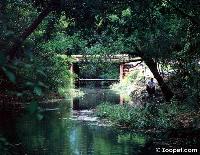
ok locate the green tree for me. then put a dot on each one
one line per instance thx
(153, 30)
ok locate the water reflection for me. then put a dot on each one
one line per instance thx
(57, 134)
(54, 136)
(48, 136)
(86, 139)
(93, 97)
(60, 132)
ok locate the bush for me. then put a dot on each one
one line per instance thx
(46, 70)
(150, 116)
(133, 82)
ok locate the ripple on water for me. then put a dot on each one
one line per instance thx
(87, 116)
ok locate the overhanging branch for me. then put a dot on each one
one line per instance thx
(12, 52)
(193, 19)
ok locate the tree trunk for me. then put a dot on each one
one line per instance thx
(167, 93)
(13, 50)
(19, 40)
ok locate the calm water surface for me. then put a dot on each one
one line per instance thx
(70, 129)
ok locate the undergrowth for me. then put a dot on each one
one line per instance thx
(159, 116)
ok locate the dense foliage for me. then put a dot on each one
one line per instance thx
(36, 34)
(151, 116)
(38, 37)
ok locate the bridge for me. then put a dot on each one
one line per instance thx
(122, 59)
(98, 79)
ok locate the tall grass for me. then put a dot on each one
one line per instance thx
(150, 116)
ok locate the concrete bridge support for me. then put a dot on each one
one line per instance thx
(75, 69)
(124, 70)
(121, 71)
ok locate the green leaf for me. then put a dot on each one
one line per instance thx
(19, 94)
(32, 107)
(126, 13)
(39, 117)
(2, 139)
(42, 84)
(41, 73)
(38, 90)
(10, 75)
(2, 59)
(113, 18)
(28, 65)
(29, 83)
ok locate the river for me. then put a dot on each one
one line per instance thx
(72, 129)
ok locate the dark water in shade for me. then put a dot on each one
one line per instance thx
(65, 131)
(93, 97)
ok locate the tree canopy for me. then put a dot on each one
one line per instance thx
(39, 32)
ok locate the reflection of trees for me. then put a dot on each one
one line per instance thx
(8, 134)
(47, 136)
(131, 138)
(81, 139)
(102, 146)
(94, 97)
(54, 135)
(86, 139)
(110, 142)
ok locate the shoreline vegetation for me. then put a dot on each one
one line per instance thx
(160, 116)
(141, 112)
(39, 38)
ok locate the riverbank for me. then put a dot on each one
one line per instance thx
(151, 117)
(9, 99)
(71, 128)
(142, 112)
(133, 88)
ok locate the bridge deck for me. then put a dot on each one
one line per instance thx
(106, 58)
(99, 79)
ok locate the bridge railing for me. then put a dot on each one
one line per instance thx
(114, 58)
(99, 79)
(100, 83)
